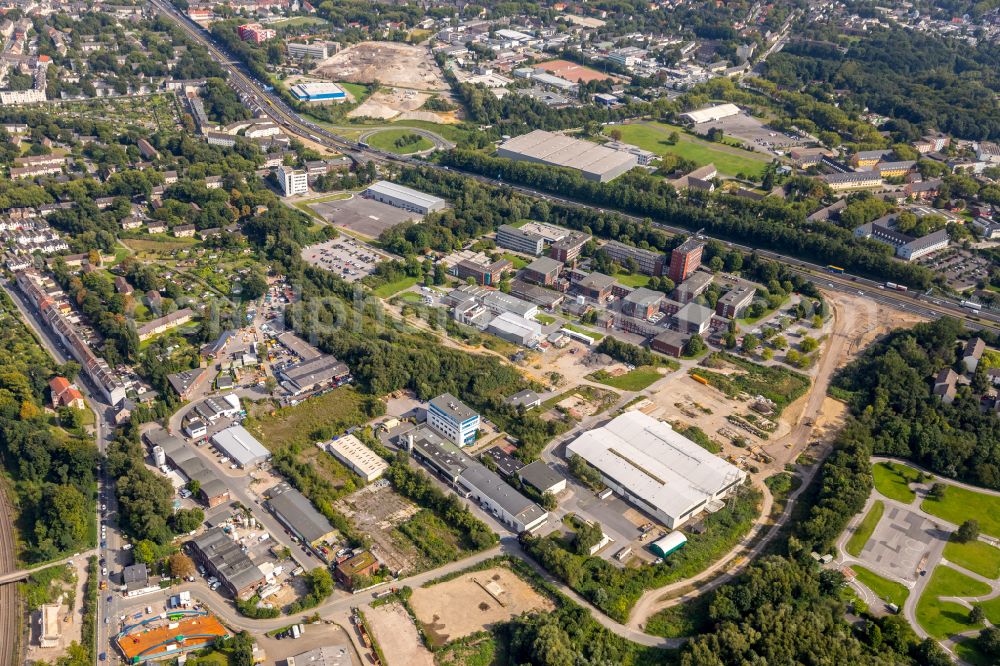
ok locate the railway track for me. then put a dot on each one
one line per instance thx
(11, 645)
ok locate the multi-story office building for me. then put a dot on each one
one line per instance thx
(292, 181)
(685, 259)
(455, 421)
(512, 238)
(650, 262)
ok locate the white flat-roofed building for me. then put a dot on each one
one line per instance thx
(710, 113)
(241, 446)
(453, 419)
(404, 197)
(515, 328)
(292, 181)
(357, 457)
(520, 240)
(593, 161)
(652, 466)
(321, 91)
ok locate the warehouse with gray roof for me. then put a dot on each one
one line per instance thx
(298, 514)
(242, 447)
(593, 161)
(404, 197)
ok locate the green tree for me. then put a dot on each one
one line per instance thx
(144, 552)
(967, 531)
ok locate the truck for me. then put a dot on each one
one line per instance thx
(623, 553)
(897, 287)
(835, 269)
(296, 631)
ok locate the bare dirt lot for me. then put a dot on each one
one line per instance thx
(390, 63)
(396, 104)
(376, 510)
(473, 602)
(397, 636)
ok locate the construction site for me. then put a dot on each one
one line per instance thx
(390, 63)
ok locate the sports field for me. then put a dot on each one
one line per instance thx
(730, 161)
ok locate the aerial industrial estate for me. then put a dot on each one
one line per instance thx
(506, 334)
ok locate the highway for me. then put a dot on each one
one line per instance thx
(255, 94)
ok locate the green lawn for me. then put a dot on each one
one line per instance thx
(653, 137)
(299, 21)
(544, 319)
(519, 262)
(358, 91)
(992, 610)
(865, 529)
(968, 651)
(944, 618)
(976, 556)
(386, 140)
(888, 591)
(959, 505)
(586, 331)
(392, 288)
(893, 479)
(634, 380)
(633, 280)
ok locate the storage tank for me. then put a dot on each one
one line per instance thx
(668, 544)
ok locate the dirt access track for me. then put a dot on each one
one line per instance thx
(389, 63)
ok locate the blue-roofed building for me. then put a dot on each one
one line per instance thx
(318, 92)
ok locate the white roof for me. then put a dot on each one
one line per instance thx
(712, 113)
(351, 449)
(241, 446)
(654, 463)
(406, 193)
(233, 400)
(515, 324)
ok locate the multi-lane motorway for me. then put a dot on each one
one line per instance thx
(256, 94)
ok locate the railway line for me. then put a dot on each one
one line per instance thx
(11, 646)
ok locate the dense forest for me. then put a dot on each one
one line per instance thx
(51, 461)
(924, 79)
(889, 389)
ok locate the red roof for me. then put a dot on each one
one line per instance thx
(59, 385)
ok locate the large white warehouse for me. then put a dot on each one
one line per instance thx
(404, 197)
(594, 161)
(660, 471)
(712, 113)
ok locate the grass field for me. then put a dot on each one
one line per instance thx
(162, 244)
(633, 280)
(775, 383)
(544, 319)
(943, 618)
(976, 556)
(296, 21)
(634, 380)
(386, 140)
(968, 651)
(865, 529)
(992, 610)
(586, 331)
(887, 590)
(312, 420)
(653, 137)
(392, 288)
(959, 505)
(519, 262)
(893, 479)
(358, 91)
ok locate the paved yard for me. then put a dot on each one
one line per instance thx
(900, 542)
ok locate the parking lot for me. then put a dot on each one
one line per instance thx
(351, 259)
(961, 268)
(364, 216)
(619, 520)
(752, 131)
(900, 543)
